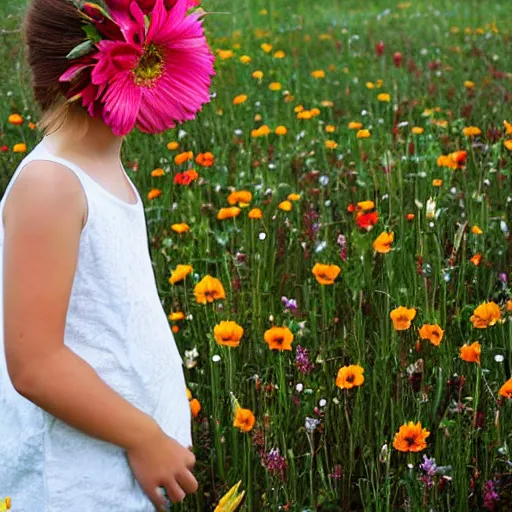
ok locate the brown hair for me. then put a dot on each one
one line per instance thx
(52, 28)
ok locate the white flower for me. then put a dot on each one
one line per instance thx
(216, 358)
(299, 387)
(321, 246)
(323, 180)
(262, 236)
(323, 402)
(499, 358)
(181, 134)
(431, 209)
(311, 424)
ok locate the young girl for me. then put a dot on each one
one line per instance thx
(95, 415)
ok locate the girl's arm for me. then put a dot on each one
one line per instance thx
(43, 217)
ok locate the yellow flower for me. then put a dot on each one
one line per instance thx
(255, 213)
(285, 206)
(275, 86)
(279, 54)
(363, 134)
(508, 127)
(20, 148)
(326, 103)
(331, 144)
(304, 114)
(180, 228)
(261, 131)
(476, 230)
(293, 197)
(281, 130)
(258, 75)
(326, 274)
(508, 144)
(156, 173)
(208, 290)
(365, 206)
(225, 54)
(266, 47)
(437, 182)
(315, 112)
(383, 96)
(354, 125)
(241, 98)
(417, 130)
(485, 315)
(230, 501)
(370, 85)
(228, 334)
(468, 84)
(330, 128)
(176, 316)
(382, 243)
(402, 318)
(173, 145)
(245, 59)
(472, 131)
(5, 504)
(179, 273)
(298, 108)
(350, 376)
(318, 73)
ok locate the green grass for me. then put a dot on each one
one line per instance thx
(428, 269)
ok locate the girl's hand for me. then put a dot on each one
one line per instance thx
(160, 461)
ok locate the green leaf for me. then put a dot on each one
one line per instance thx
(92, 33)
(80, 50)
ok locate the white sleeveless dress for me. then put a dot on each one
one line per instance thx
(115, 322)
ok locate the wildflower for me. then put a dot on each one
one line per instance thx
(293, 197)
(154, 193)
(508, 144)
(437, 183)
(171, 146)
(258, 75)
(185, 178)
(156, 173)
(242, 196)
(471, 131)
(370, 85)
(318, 73)
(468, 84)
(382, 243)
(383, 96)
(476, 230)
(397, 59)
(279, 338)
(417, 130)
(176, 316)
(279, 54)
(302, 362)
(490, 495)
(274, 462)
(506, 389)
(430, 468)
(476, 259)
(275, 86)
(330, 128)
(281, 130)
(410, 216)
(195, 407)
(430, 213)
(241, 98)
(285, 206)
(205, 159)
(208, 290)
(350, 376)
(471, 353)
(266, 47)
(228, 334)
(311, 424)
(180, 228)
(363, 134)
(5, 504)
(411, 438)
(245, 59)
(179, 273)
(181, 158)
(508, 127)
(402, 318)
(255, 213)
(261, 131)
(432, 333)
(367, 220)
(455, 160)
(15, 119)
(365, 206)
(231, 500)
(228, 213)
(326, 274)
(354, 125)
(342, 242)
(331, 144)
(32, 126)
(290, 304)
(225, 54)
(379, 49)
(485, 315)
(19, 148)
(304, 114)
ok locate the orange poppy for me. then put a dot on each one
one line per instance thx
(350, 376)
(156, 173)
(382, 243)
(472, 131)
(180, 228)
(195, 407)
(354, 125)
(15, 119)
(179, 273)
(208, 290)
(432, 333)
(153, 193)
(485, 315)
(241, 98)
(228, 213)
(286, 206)
(244, 419)
(411, 438)
(326, 274)
(476, 259)
(228, 333)
(176, 316)
(183, 157)
(402, 318)
(506, 389)
(255, 213)
(471, 353)
(279, 338)
(242, 196)
(281, 130)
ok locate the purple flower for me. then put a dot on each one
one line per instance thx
(274, 461)
(290, 304)
(336, 472)
(429, 465)
(342, 242)
(302, 361)
(490, 495)
(503, 277)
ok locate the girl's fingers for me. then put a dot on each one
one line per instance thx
(187, 482)
(174, 492)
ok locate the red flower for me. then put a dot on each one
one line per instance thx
(397, 59)
(367, 220)
(379, 48)
(4, 149)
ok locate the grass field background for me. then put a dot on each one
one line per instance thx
(416, 75)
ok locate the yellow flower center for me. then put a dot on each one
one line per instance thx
(150, 66)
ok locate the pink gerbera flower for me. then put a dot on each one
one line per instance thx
(149, 75)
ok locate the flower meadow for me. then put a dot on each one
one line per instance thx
(331, 242)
